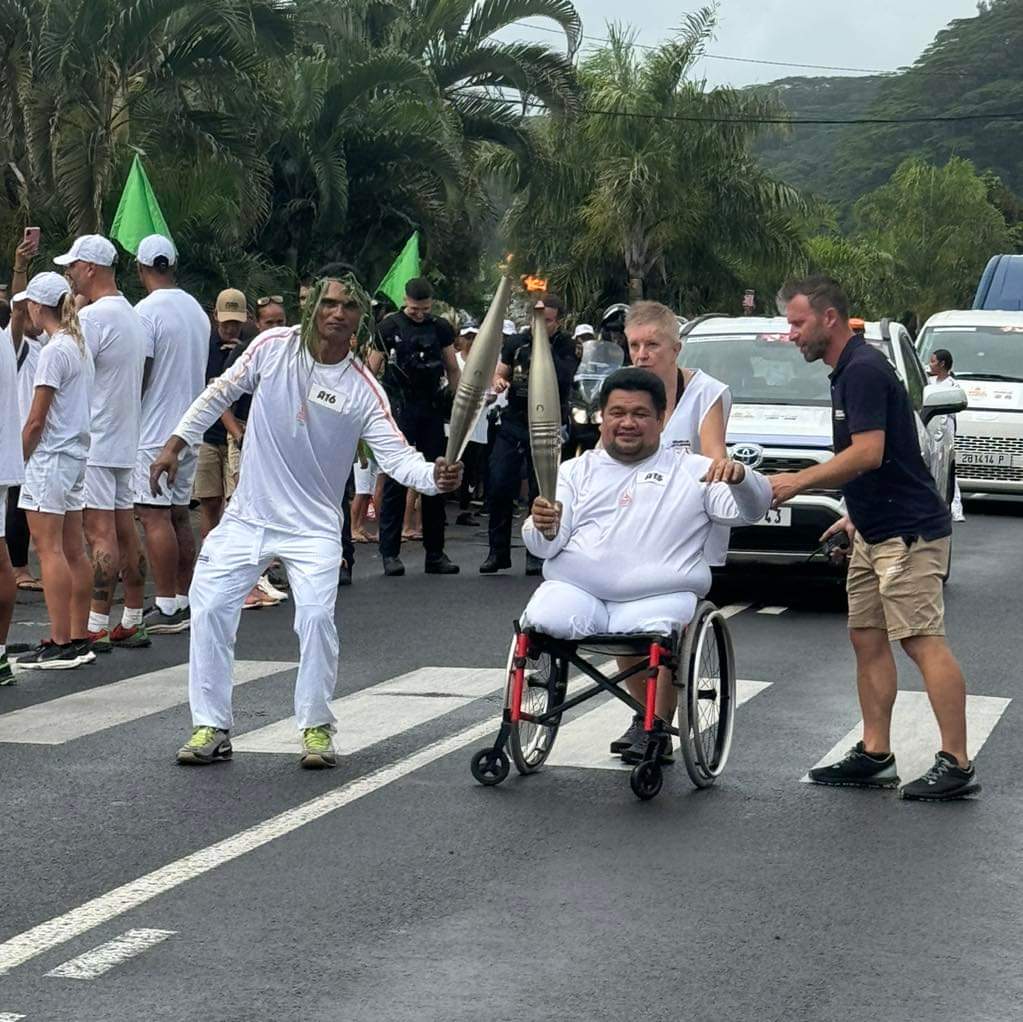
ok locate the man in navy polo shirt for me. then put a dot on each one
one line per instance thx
(900, 528)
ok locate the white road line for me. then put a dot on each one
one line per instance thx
(772, 610)
(84, 713)
(915, 737)
(731, 609)
(9, 1016)
(54, 932)
(103, 958)
(382, 711)
(583, 742)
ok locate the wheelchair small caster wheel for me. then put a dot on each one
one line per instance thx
(491, 766)
(646, 780)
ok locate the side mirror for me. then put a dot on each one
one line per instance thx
(940, 400)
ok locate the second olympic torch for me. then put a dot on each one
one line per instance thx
(478, 374)
(544, 408)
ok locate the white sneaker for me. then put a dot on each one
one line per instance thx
(958, 516)
(264, 586)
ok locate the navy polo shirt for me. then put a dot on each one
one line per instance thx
(899, 498)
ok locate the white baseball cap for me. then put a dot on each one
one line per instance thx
(89, 248)
(469, 328)
(583, 328)
(45, 288)
(509, 328)
(154, 246)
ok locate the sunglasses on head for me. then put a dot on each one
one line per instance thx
(268, 299)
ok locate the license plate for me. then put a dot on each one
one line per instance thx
(777, 516)
(990, 459)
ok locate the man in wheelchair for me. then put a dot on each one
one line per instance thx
(624, 540)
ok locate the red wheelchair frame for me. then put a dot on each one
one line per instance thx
(700, 658)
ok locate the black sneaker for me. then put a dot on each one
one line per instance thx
(48, 656)
(83, 647)
(619, 745)
(495, 563)
(945, 780)
(858, 770)
(344, 575)
(159, 623)
(6, 672)
(636, 752)
(534, 565)
(393, 568)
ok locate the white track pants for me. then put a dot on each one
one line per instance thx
(232, 558)
(565, 611)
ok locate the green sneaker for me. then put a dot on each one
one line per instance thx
(135, 637)
(207, 745)
(99, 642)
(6, 672)
(317, 749)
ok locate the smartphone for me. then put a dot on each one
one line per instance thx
(32, 235)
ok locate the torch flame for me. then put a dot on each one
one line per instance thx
(534, 285)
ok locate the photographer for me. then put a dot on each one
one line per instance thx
(420, 351)
(900, 530)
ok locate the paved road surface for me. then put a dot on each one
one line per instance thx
(394, 888)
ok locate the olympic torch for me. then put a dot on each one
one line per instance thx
(478, 374)
(544, 408)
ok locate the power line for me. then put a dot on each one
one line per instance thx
(746, 60)
(998, 115)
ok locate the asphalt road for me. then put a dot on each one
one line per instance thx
(395, 888)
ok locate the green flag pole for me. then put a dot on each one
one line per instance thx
(138, 213)
(402, 270)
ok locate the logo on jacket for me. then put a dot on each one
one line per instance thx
(750, 455)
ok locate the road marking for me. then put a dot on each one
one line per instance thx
(103, 958)
(9, 1016)
(382, 711)
(772, 610)
(915, 737)
(50, 934)
(583, 742)
(731, 609)
(96, 709)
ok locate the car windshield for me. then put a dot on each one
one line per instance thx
(980, 352)
(760, 369)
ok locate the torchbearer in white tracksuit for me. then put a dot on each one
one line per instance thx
(314, 401)
(624, 543)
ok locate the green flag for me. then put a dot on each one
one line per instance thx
(402, 270)
(138, 213)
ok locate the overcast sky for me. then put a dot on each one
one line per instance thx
(879, 34)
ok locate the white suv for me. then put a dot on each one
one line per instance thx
(781, 422)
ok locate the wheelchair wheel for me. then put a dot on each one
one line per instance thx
(530, 744)
(490, 767)
(706, 712)
(646, 780)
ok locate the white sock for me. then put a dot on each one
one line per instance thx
(182, 602)
(167, 604)
(131, 617)
(98, 622)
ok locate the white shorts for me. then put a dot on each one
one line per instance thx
(179, 493)
(366, 478)
(109, 489)
(3, 512)
(54, 484)
(565, 611)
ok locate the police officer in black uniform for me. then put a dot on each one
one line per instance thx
(510, 454)
(420, 351)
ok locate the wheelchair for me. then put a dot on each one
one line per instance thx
(702, 662)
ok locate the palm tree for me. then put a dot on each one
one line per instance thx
(659, 178)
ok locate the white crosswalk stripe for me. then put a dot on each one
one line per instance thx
(583, 741)
(121, 702)
(382, 711)
(915, 737)
(773, 611)
(102, 959)
(10, 1016)
(731, 609)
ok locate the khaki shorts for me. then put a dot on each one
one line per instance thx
(214, 475)
(898, 588)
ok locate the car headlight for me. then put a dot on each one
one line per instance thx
(579, 416)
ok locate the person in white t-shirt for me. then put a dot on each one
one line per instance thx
(117, 340)
(314, 402)
(55, 442)
(177, 334)
(12, 472)
(623, 544)
(939, 367)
